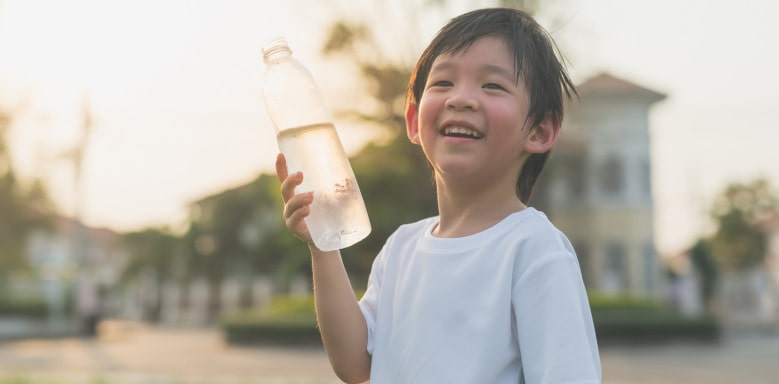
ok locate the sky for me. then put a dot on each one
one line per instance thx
(173, 89)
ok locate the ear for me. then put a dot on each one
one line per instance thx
(544, 135)
(412, 123)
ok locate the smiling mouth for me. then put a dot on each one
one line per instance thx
(461, 132)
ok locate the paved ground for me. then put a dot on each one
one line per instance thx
(145, 355)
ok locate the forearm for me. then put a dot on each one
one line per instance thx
(341, 323)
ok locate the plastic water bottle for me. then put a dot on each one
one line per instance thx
(308, 139)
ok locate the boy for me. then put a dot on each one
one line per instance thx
(489, 291)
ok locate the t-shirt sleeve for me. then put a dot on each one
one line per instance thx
(370, 300)
(554, 324)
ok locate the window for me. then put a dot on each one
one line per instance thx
(612, 178)
(646, 179)
(574, 174)
(650, 264)
(614, 277)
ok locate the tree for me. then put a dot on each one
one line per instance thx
(703, 262)
(240, 232)
(738, 243)
(152, 258)
(274, 251)
(22, 209)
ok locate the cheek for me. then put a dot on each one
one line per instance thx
(506, 114)
(428, 112)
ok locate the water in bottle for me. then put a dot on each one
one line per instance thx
(309, 141)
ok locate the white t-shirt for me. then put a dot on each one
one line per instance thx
(504, 305)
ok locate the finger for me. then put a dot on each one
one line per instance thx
(296, 217)
(281, 167)
(298, 202)
(289, 184)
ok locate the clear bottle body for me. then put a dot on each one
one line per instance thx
(308, 139)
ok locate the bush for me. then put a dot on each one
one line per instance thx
(23, 307)
(621, 302)
(620, 319)
(291, 304)
(287, 329)
(288, 320)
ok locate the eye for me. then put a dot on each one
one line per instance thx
(494, 86)
(441, 83)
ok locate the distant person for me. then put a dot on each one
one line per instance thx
(88, 306)
(488, 291)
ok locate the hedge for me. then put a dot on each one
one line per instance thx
(23, 307)
(290, 320)
(292, 329)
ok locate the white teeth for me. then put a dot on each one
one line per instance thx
(462, 131)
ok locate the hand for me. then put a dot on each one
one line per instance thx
(296, 207)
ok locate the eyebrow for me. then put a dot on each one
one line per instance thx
(489, 68)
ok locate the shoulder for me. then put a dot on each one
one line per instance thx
(534, 229)
(538, 241)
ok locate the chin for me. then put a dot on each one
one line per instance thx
(457, 171)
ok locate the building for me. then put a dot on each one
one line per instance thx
(770, 227)
(598, 186)
(76, 268)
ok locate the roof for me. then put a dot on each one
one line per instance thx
(605, 84)
(68, 224)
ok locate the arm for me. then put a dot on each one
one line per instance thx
(341, 323)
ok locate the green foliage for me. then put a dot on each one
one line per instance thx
(22, 209)
(626, 327)
(607, 302)
(242, 228)
(240, 232)
(153, 253)
(631, 320)
(618, 319)
(150, 248)
(289, 329)
(738, 243)
(703, 261)
(343, 36)
(285, 304)
(287, 320)
(22, 307)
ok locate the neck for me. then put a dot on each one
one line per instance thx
(464, 211)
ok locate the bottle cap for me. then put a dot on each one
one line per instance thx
(273, 45)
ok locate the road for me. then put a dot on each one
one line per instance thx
(136, 354)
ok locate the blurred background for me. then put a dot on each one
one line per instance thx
(140, 231)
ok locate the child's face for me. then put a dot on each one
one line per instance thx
(471, 117)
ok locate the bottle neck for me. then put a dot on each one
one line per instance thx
(275, 49)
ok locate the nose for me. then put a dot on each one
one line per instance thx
(461, 100)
